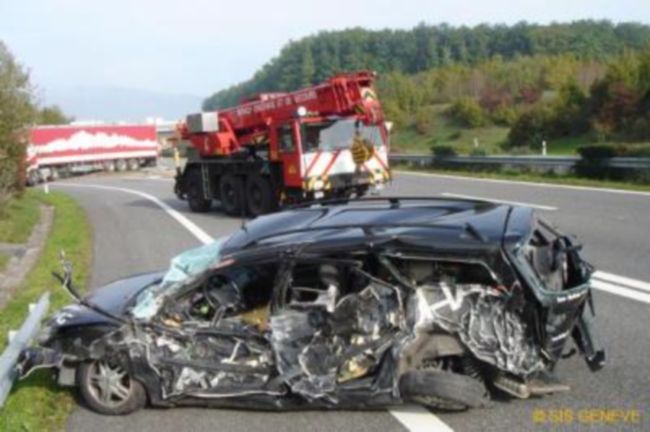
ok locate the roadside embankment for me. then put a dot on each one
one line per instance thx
(37, 403)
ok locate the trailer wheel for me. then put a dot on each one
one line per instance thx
(259, 195)
(121, 165)
(195, 197)
(231, 191)
(133, 164)
(109, 166)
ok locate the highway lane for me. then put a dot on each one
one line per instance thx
(132, 234)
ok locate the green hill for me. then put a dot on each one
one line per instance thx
(314, 58)
(505, 88)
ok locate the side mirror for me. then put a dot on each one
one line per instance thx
(66, 278)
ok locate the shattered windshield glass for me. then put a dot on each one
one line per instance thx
(183, 268)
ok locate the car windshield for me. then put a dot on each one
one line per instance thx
(183, 268)
(338, 134)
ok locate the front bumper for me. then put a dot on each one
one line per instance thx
(35, 358)
(360, 179)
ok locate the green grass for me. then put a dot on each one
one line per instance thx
(37, 404)
(4, 260)
(568, 145)
(18, 217)
(445, 132)
(533, 178)
(491, 138)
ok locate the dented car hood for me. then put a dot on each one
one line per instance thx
(114, 298)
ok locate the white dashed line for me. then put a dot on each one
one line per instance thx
(418, 419)
(622, 286)
(623, 281)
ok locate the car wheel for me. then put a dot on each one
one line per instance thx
(443, 390)
(259, 195)
(107, 388)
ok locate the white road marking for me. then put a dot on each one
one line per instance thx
(620, 291)
(522, 183)
(194, 229)
(622, 281)
(418, 419)
(414, 418)
(518, 203)
(152, 177)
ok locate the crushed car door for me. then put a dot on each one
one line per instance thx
(332, 329)
(212, 343)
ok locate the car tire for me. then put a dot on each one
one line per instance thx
(443, 390)
(98, 386)
(259, 195)
(195, 196)
(231, 193)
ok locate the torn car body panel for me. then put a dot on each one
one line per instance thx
(352, 307)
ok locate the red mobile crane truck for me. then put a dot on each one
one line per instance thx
(325, 141)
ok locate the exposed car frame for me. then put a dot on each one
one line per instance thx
(347, 304)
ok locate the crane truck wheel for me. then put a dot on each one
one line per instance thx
(231, 192)
(260, 198)
(195, 197)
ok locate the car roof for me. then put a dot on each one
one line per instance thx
(441, 223)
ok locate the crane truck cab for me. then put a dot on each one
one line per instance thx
(322, 142)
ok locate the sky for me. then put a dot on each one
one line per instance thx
(196, 47)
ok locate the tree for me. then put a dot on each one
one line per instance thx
(307, 69)
(52, 115)
(522, 46)
(570, 116)
(531, 128)
(16, 113)
(467, 112)
(424, 120)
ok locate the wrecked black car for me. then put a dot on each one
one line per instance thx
(358, 304)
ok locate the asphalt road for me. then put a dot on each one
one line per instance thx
(133, 234)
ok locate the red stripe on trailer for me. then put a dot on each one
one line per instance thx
(331, 162)
(313, 163)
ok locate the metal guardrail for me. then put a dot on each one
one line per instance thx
(18, 342)
(540, 161)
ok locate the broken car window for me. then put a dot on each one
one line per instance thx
(241, 292)
(182, 269)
